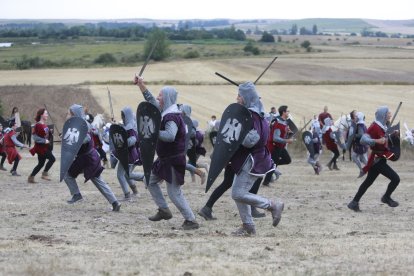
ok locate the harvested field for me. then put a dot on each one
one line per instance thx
(42, 235)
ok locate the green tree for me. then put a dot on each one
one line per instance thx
(251, 48)
(1, 108)
(266, 37)
(294, 30)
(315, 29)
(307, 45)
(162, 50)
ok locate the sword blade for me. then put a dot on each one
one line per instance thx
(148, 58)
(110, 103)
(395, 114)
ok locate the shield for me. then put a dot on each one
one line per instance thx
(74, 132)
(235, 123)
(351, 135)
(293, 128)
(119, 138)
(394, 141)
(149, 123)
(307, 140)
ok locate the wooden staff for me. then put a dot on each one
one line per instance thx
(270, 64)
(227, 79)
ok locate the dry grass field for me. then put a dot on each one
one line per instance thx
(318, 235)
(41, 234)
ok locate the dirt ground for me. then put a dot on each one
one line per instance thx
(41, 234)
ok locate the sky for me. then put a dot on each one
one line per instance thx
(206, 9)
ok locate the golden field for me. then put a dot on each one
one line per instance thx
(318, 235)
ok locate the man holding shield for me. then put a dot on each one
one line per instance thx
(251, 161)
(171, 161)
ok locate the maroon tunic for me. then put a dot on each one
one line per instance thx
(41, 130)
(329, 142)
(379, 151)
(10, 147)
(171, 155)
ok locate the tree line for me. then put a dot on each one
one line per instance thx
(132, 31)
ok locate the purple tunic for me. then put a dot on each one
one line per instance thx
(262, 161)
(87, 162)
(134, 154)
(200, 150)
(171, 155)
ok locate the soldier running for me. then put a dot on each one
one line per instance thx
(87, 161)
(376, 138)
(42, 147)
(251, 161)
(171, 161)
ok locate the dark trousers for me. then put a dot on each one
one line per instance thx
(3, 158)
(15, 164)
(226, 184)
(335, 157)
(102, 154)
(281, 157)
(381, 167)
(41, 159)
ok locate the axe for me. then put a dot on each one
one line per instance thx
(148, 58)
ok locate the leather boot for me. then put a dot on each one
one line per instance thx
(163, 213)
(134, 189)
(276, 209)
(31, 179)
(245, 230)
(45, 176)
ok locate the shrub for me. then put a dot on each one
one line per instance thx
(192, 54)
(106, 58)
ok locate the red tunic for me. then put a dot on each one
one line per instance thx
(379, 151)
(329, 142)
(41, 130)
(271, 145)
(10, 147)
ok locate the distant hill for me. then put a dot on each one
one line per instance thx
(329, 25)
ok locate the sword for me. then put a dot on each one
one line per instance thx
(148, 58)
(50, 116)
(227, 79)
(395, 114)
(110, 104)
(270, 64)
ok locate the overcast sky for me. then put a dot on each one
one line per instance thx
(207, 9)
